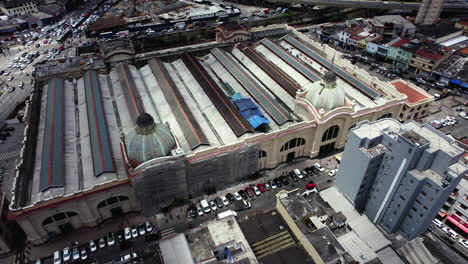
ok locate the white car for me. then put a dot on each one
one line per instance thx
(463, 242)
(92, 246)
(128, 256)
(57, 258)
(256, 190)
(237, 196)
(319, 167)
(127, 233)
(102, 243)
(298, 173)
(213, 205)
(199, 210)
(141, 229)
(225, 200)
(463, 115)
(333, 173)
(446, 230)
(66, 254)
(148, 227)
(10, 78)
(76, 254)
(110, 239)
(134, 232)
(437, 222)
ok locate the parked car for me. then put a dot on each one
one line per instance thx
(249, 192)
(278, 182)
(464, 243)
(332, 173)
(10, 78)
(230, 197)
(142, 230)
(134, 231)
(237, 196)
(199, 210)
(284, 180)
(294, 177)
(437, 222)
(76, 254)
(267, 186)
(261, 187)
(102, 243)
(192, 211)
(463, 115)
(243, 194)
(83, 254)
(66, 254)
(310, 186)
(127, 233)
(92, 246)
(273, 185)
(206, 206)
(57, 257)
(213, 205)
(127, 257)
(110, 239)
(298, 173)
(256, 190)
(225, 200)
(148, 227)
(219, 202)
(11, 89)
(319, 167)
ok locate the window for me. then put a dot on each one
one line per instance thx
(402, 198)
(423, 193)
(330, 133)
(60, 216)
(401, 115)
(462, 206)
(428, 185)
(411, 181)
(47, 221)
(123, 198)
(295, 142)
(112, 200)
(417, 201)
(261, 154)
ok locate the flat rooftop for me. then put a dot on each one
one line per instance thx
(412, 93)
(374, 129)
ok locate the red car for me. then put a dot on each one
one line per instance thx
(261, 187)
(310, 186)
(249, 192)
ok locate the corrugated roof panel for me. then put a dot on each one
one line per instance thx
(131, 93)
(99, 136)
(52, 174)
(269, 104)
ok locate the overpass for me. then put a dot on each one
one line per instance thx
(372, 4)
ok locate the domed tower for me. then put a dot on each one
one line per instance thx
(326, 94)
(148, 140)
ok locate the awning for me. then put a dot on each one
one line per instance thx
(442, 214)
(458, 224)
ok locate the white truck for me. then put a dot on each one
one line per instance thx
(227, 213)
(205, 206)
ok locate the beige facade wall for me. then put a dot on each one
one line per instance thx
(26, 8)
(80, 212)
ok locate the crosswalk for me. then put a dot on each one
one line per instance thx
(167, 232)
(10, 154)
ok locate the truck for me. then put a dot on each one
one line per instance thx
(227, 214)
(205, 206)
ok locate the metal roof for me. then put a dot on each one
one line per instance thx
(327, 64)
(274, 72)
(52, 174)
(306, 72)
(269, 104)
(132, 96)
(99, 136)
(221, 101)
(184, 116)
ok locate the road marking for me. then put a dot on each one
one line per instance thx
(9, 155)
(167, 232)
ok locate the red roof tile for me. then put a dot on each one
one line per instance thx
(400, 43)
(353, 31)
(413, 95)
(428, 54)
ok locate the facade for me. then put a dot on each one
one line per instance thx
(183, 126)
(416, 106)
(429, 12)
(426, 59)
(18, 8)
(11, 234)
(393, 25)
(399, 175)
(399, 53)
(455, 209)
(236, 33)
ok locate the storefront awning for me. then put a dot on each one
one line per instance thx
(442, 214)
(458, 224)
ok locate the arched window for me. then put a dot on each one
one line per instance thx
(58, 217)
(295, 142)
(112, 200)
(387, 115)
(262, 154)
(331, 132)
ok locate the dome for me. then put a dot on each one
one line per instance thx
(148, 140)
(329, 77)
(326, 94)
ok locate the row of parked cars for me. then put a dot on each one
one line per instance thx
(450, 233)
(206, 207)
(121, 237)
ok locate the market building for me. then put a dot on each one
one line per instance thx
(143, 138)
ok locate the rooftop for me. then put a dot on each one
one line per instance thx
(414, 138)
(412, 93)
(175, 250)
(400, 42)
(438, 30)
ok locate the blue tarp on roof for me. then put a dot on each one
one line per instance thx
(458, 82)
(249, 110)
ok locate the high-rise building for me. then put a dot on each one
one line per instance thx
(399, 175)
(429, 12)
